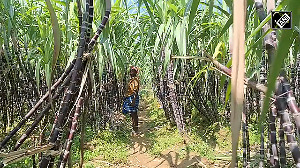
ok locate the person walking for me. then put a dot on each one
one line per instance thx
(131, 100)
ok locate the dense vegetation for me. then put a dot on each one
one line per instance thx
(184, 50)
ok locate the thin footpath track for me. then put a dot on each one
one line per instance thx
(139, 158)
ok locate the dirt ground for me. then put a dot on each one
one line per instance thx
(139, 158)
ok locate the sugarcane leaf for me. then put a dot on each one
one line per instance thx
(218, 49)
(139, 6)
(149, 11)
(222, 81)
(105, 33)
(187, 9)
(229, 63)
(71, 58)
(37, 74)
(210, 7)
(193, 11)
(172, 6)
(168, 49)
(167, 56)
(217, 7)
(48, 74)
(56, 33)
(228, 92)
(297, 29)
(229, 4)
(198, 75)
(157, 40)
(180, 34)
(100, 61)
(226, 26)
(257, 30)
(257, 41)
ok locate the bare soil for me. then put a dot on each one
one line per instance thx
(139, 158)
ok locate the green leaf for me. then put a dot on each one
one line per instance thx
(105, 33)
(257, 30)
(193, 11)
(100, 57)
(56, 33)
(228, 92)
(180, 34)
(257, 41)
(218, 49)
(37, 74)
(217, 7)
(229, 4)
(172, 6)
(226, 26)
(210, 11)
(48, 74)
(149, 11)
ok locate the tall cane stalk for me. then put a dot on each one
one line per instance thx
(41, 115)
(273, 147)
(281, 105)
(64, 157)
(291, 101)
(37, 105)
(282, 153)
(68, 99)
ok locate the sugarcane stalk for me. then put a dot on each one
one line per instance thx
(174, 100)
(270, 44)
(64, 156)
(33, 161)
(101, 27)
(262, 148)
(297, 77)
(68, 99)
(273, 147)
(51, 163)
(260, 10)
(82, 135)
(281, 105)
(247, 139)
(41, 115)
(263, 78)
(37, 105)
(244, 118)
(79, 12)
(282, 153)
(163, 89)
(291, 101)
(90, 20)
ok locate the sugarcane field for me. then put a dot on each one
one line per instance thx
(150, 83)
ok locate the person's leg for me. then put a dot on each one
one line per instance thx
(135, 121)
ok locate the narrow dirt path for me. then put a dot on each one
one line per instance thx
(139, 157)
(170, 158)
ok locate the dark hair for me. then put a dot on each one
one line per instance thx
(134, 69)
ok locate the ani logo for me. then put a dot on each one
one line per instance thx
(281, 20)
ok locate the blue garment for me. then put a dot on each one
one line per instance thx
(127, 108)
